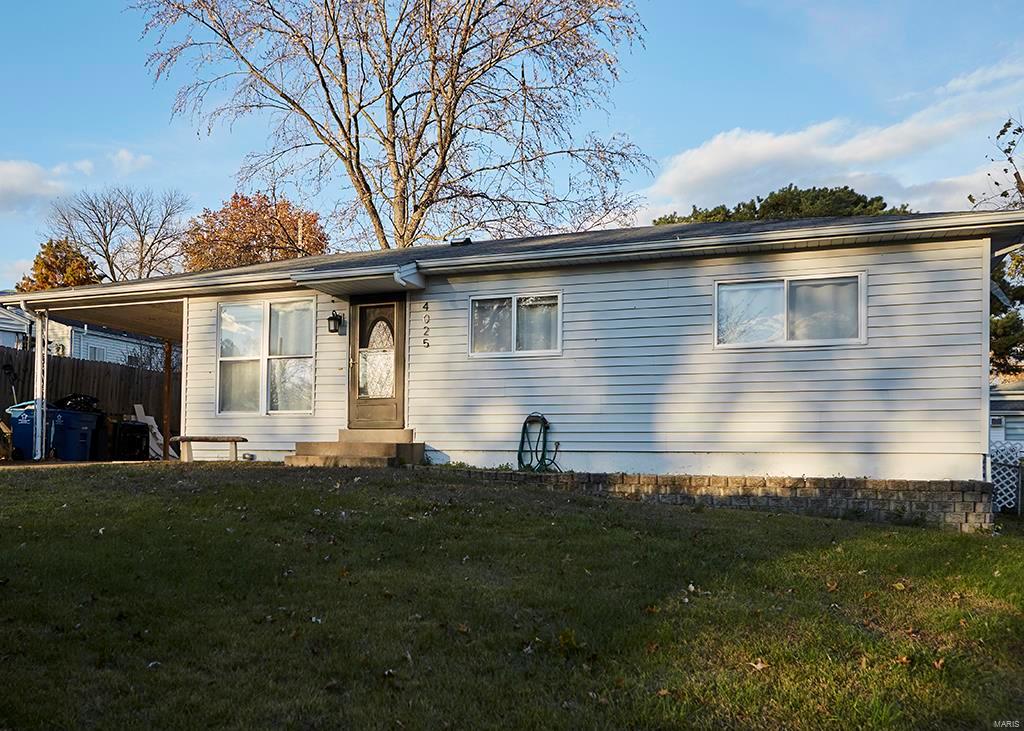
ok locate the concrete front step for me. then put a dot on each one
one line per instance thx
(346, 449)
(355, 454)
(391, 436)
(328, 460)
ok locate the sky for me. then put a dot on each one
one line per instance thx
(731, 99)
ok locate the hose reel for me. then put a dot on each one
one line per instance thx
(533, 445)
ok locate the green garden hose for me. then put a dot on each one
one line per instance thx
(533, 451)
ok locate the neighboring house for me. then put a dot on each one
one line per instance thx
(75, 339)
(15, 328)
(854, 347)
(1006, 406)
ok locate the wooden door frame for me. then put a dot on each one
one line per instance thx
(398, 299)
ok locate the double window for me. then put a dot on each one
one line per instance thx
(790, 311)
(521, 324)
(265, 356)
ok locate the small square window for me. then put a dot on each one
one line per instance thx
(526, 324)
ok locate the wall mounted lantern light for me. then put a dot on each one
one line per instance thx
(336, 324)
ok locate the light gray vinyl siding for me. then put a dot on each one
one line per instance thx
(271, 436)
(114, 348)
(1014, 428)
(639, 373)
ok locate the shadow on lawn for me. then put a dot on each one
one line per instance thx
(447, 603)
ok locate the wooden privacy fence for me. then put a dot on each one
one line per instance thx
(118, 387)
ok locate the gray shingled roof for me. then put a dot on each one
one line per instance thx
(566, 241)
(1007, 397)
(604, 237)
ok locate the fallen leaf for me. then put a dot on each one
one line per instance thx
(832, 586)
(662, 692)
(899, 586)
(759, 665)
(652, 647)
(462, 628)
(939, 663)
(903, 660)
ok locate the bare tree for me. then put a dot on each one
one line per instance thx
(131, 234)
(1007, 194)
(156, 230)
(442, 116)
(150, 357)
(94, 222)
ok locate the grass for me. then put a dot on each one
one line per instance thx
(257, 596)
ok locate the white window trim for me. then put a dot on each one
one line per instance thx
(264, 357)
(862, 313)
(557, 351)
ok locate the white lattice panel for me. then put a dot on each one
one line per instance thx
(1005, 459)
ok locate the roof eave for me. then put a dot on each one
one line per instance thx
(876, 232)
(880, 231)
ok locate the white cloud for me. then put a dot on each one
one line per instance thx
(986, 76)
(85, 167)
(127, 162)
(23, 184)
(889, 160)
(11, 272)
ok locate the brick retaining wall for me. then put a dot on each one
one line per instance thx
(964, 505)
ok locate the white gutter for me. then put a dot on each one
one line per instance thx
(324, 275)
(156, 288)
(678, 244)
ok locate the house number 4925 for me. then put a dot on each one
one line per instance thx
(426, 324)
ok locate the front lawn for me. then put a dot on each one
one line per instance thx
(260, 596)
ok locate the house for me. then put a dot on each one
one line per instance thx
(15, 327)
(75, 339)
(855, 347)
(1006, 412)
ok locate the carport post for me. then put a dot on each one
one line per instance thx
(39, 387)
(167, 400)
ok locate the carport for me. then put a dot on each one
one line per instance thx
(157, 307)
(158, 318)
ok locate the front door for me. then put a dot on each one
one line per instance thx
(376, 389)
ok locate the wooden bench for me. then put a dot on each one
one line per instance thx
(187, 442)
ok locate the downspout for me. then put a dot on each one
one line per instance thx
(409, 276)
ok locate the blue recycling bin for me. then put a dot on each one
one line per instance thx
(22, 428)
(72, 434)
